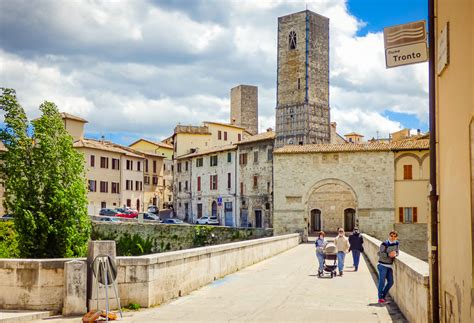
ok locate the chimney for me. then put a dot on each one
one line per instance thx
(269, 129)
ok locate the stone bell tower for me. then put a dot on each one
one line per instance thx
(302, 111)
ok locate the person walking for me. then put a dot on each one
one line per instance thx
(342, 244)
(389, 249)
(320, 244)
(356, 247)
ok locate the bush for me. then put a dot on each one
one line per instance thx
(8, 241)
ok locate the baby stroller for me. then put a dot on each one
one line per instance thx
(330, 259)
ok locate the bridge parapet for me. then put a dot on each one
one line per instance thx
(411, 289)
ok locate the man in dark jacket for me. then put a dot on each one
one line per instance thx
(389, 249)
(356, 241)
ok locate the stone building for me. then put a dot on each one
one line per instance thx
(326, 186)
(255, 180)
(211, 191)
(302, 111)
(244, 107)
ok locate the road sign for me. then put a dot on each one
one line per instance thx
(405, 44)
(219, 200)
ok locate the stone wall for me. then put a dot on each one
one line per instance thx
(413, 239)
(411, 288)
(244, 107)
(170, 237)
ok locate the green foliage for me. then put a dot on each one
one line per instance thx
(132, 307)
(8, 240)
(203, 235)
(134, 245)
(45, 187)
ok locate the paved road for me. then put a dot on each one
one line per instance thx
(284, 288)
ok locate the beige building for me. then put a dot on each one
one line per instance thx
(455, 158)
(255, 180)
(326, 186)
(158, 173)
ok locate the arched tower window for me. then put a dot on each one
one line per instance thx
(292, 40)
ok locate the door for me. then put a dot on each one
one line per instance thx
(138, 205)
(258, 218)
(349, 220)
(244, 218)
(316, 220)
(214, 209)
(229, 218)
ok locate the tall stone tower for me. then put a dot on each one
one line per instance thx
(244, 107)
(302, 111)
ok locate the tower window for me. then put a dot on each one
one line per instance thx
(299, 84)
(292, 40)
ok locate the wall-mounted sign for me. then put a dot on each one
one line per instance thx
(443, 49)
(405, 44)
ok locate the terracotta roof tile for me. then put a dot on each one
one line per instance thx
(107, 146)
(208, 151)
(66, 115)
(259, 137)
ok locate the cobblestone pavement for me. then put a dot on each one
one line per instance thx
(284, 288)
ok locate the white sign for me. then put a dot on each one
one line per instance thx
(443, 49)
(405, 44)
(405, 55)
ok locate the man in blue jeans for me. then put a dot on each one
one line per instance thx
(342, 244)
(389, 249)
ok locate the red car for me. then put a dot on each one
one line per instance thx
(128, 215)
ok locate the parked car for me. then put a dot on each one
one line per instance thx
(172, 221)
(128, 215)
(153, 209)
(110, 219)
(108, 212)
(150, 216)
(207, 220)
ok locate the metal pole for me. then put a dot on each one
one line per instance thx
(434, 260)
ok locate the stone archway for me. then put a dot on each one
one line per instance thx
(331, 197)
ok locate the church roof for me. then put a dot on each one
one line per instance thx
(408, 144)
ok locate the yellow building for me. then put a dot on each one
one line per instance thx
(455, 157)
(158, 174)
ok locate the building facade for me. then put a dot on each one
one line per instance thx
(302, 111)
(255, 180)
(455, 158)
(244, 107)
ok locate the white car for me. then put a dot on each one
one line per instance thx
(207, 220)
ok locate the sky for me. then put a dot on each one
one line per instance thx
(136, 69)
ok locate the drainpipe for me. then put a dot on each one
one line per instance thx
(434, 259)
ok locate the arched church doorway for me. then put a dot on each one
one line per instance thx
(349, 219)
(315, 221)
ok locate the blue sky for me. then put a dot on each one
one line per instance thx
(136, 69)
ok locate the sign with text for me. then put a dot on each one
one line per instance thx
(443, 49)
(405, 44)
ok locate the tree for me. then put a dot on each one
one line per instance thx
(44, 177)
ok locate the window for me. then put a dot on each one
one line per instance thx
(164, 167)
(186, 166)
(137, 185)
(129, 202)
(292, 40)
(139, 166)
(407, 172)
(178, 169)
(408, 214)
(219, 135)
(92, 161)
(268, 187)
(146, 179)
(92, 186)
(229, 181)
(213, 182)
(179, 186)
(199, 162)
(103, 205)
(146, 165)
(154, 166)
(199, 183)
(104, 187)
(115, 188)
(164, 182)
(104, 162)
(169, 198)
(243, 159)
(115, 163)
(239, 137)
(270, 154)
(241, 188)
(213, 160)
(186, 186)
(255, 181)
(129, 165)
(225, 135)
(229, 157)
(155, 180)
(255, 157)
(299, 83)
(199, 207)
(127, 185)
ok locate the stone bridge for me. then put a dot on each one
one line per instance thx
(271, 279)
